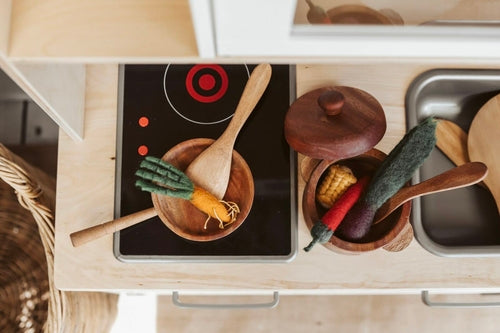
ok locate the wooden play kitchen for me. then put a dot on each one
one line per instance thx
(318, 272)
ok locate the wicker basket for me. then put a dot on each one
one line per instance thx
(29, 301)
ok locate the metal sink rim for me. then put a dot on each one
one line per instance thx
(411, 101)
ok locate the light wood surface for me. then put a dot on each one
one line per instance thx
(101, 29)
(461, 176)
(59, 89)
(326, 314)
(85, 190)
(5, 9)
(483, 143)
(212, 168)
(452, 141)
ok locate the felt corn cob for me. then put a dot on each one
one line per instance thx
(337, 180)
(397, 168)
(158, 176)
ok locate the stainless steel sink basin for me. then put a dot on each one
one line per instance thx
(462, 222)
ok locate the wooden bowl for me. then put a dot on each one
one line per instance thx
(381, 234)
(186, 220)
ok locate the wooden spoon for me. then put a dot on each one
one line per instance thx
(452, 141)
(81, 237)
(461, 176)
(211, 169)
(484, 143)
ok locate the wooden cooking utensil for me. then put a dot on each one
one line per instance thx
(461, 176)
(81, 237)
(173, 211)
(212, 167)
(483, 143)
(452, 141)
(187, 221)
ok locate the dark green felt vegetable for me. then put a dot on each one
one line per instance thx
(397, 168)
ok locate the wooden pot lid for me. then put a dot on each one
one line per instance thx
(334, 123)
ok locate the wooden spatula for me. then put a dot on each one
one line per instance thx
(211, 169)
(465, 175)
(452, 141)
(484, 143)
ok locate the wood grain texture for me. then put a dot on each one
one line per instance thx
(59, 89)
(461, 176)
(78, 238)
(85, 186)
(307, 166)
(326, 314)
(483, 143)
(402, 240)
(101, 28)
(61, 96)
(357, 128)
(85, 190)
(381, 233)
(186, 220)
(452, 141)
(212, 167)
(5, 12)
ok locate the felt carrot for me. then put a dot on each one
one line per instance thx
(160, 177)
(323, 229)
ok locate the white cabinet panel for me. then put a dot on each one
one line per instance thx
(263, 28)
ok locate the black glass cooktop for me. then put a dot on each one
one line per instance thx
(163, 105)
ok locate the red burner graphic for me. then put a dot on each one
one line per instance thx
(207, 83)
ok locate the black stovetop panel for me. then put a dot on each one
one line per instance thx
(163, 105)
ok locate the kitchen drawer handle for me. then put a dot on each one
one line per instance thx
(268, 305)
(426, 300)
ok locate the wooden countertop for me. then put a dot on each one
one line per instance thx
(85, 189)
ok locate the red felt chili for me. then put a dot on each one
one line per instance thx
(338, 211)
(323, 230)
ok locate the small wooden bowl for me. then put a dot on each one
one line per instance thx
(381, 234)
(187, 221)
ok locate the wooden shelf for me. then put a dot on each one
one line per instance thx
(101, 29)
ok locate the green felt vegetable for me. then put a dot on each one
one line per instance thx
(397, 168)
(160, 177)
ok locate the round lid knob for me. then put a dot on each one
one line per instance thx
(331, 101)
(334, 123)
